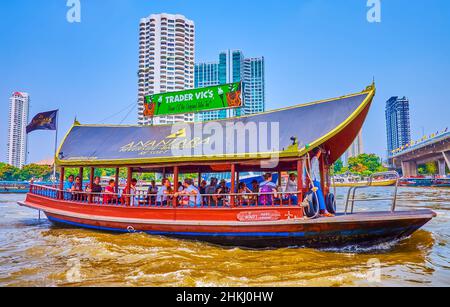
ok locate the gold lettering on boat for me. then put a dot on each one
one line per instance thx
(153, 147)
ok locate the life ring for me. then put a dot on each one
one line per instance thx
(331, 203)
(313, 208)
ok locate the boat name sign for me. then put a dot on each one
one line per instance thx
(259, 216)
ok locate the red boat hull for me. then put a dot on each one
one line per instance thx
(238, 227)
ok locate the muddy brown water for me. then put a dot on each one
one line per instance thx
(36, 253)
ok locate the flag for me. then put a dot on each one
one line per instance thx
(43, 121)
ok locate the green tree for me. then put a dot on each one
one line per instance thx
(429, 168)
(35, 171)
(365, 164)
(9, 172)
(432, 168)
(338, 166)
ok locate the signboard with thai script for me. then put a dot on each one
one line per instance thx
(212, 98)
(259, 216)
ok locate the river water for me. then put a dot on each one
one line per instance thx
(35, 253)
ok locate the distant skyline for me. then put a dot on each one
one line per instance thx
(314, 49)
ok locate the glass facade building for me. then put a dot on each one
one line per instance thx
(254, 89)
(234, 67)
(397, 123)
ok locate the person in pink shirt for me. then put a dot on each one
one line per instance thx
(110, 193)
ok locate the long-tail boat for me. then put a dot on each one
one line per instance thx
(277, 141)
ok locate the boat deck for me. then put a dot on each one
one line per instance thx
(376, 216)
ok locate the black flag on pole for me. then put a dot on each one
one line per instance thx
(43, 121)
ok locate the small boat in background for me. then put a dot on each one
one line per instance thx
(17, 187)
(425, 182)
(356, 181)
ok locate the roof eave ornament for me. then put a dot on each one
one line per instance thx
(371, 87)
(76, 122)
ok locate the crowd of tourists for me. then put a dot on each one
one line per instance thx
(215, 193)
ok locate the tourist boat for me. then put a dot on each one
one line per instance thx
(277, 141)
(425, 182)
(16, 187)
(347, 182)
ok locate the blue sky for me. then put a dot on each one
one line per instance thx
(314, 49)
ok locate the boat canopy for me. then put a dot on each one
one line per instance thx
(286, 133)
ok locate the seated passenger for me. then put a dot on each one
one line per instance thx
(78, 186)
(163, 193)
(268, 191)
(151, 193)
(292, 189)
(211, 190)
(222, 192)
(110, 196)
(95, 188)
(255, 191)
(77, 190)
(202, 190)
(180, 186)
(191, 193)
(152, 189)
(68, 185)
(130, 196)
(202, 187)
(244, 199)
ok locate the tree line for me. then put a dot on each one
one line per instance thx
(11, 173)
(368, 164)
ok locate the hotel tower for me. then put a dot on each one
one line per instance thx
(19, 104)
(166, 61)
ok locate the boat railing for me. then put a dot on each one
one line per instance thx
(172, 200)
(351, 195)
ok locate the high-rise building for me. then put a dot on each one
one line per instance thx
(355, 149)
(234, 67)
(166, 60)
(207, 74)
(397, 123)
(19, 104)
(254, 89)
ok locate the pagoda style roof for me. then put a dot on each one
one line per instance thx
(287, 133)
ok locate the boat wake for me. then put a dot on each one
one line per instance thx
(377, 248)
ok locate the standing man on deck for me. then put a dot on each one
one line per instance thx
(316, 178)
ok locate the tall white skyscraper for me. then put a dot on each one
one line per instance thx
(19, 104)
(166, 60)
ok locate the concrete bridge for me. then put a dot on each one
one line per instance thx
(430, 150)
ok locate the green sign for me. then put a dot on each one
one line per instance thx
(193, 101)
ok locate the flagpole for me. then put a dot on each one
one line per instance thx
(56, 146)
